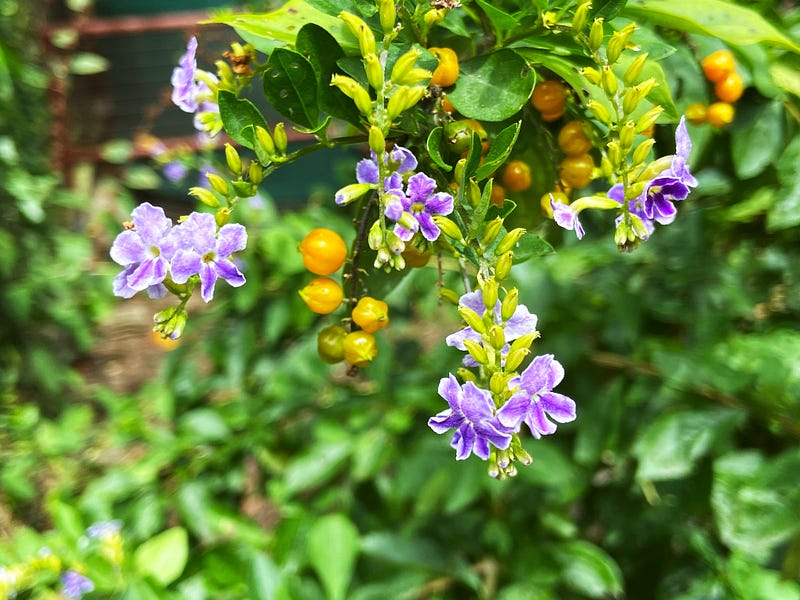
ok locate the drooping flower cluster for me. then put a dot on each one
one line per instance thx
(483, 418)
(194, 91)
(157, 255)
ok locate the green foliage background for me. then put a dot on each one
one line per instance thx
(245, 469)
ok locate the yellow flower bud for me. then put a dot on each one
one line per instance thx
(448, 227)
(619, 39)
(449, 295)
(599, 111)
(509, 241)
(634, 70)
(580, 17)
(374, 70)
(377, 142)
(403, 99)
(233, 159)
(609, 81)
(596, 35)
(503, 266)
(472, 319)
(490, 231)
(352, 89)
(281, 140)
(388, 15)
(205, 196)
(642, 151)
(509, 304)
(361, 31)
(404, 64)
(219, 184)
(476, 351)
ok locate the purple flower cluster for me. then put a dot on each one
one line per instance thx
(472, 412)
(75, 585)
(189, 93)
(152, 249)
(411, 205)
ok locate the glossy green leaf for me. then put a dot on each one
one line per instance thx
(266, 31)
(493, 87)
(499, 151)
(607, 9)
(727, 21)
(764, 124)
(204, 425)
(333, 545)
(239, 114)
(530, 246)
(434, 145)
(163, 557)
(501, 21)
(290, 86)
(748, 579)
(588, 569)
(312, 469)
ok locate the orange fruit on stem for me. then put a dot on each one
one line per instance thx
(576, 171)
(572, 139)
(322, 295)
(323, 251)
(550, 99)
(370, 314)
(729, 89)
(720, 114)
(446, 73)
(517, 176)
(718, 65)
(360, 348)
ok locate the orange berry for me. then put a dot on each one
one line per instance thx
(720, 114)
(446, 73)
(322, 295)
(729, 89)
(370, 314)
(323, 251)
(572, 139)
(550, 99)
(447, 106)
(498, 197)
(576, 171)
(696, 113)
(557, 196)
(517, 176)
(718, 65)
(360, 348)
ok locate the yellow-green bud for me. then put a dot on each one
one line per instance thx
(498, 383)
(255, 172)
(580, 17)
(503, 266)
(205, 196)
(599, 111)
(489, 291)
(638, 226)
(219, 184)
(473, 193)
(634, 70)
(509, 304)
(466, 375)
(170, 322)
(222, 216)
(592, 74)
(609, 81)
(265, 142)
(654, 168)
(636, 94)
(458, 172)
(233, 159)
(281, 140)
(394, 243)
(361, 31)
(415, 76)
(606, 168)
(448, 227)
(476, 351)
(377, 142)
(374, 70)
(388, 15)
(352, 192)
(643, 151)
(352, 89)
(596, 35)
(404, 64)
(509, 241)
(619, 39)
(225, 73)
(524, 341)
(404, 98)
(490, 231)
(626, 136)
(515, 358)
(472, 318)
(434, 16)
(649, 118)
(497, 337)
(449, 296)
(614, 152)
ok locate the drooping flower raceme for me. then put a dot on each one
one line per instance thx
(185, 88)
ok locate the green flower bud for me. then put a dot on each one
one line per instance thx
(619, 39)
(281, 141)
(524, 341)
(388, 15)
(593, 75)
(634, 70)
(265, 146)
(636, 94)
(415, 76)
(599, 111)
(497, 337)
(596, 35)
(509, 304)
(503, 266)
(476, 351)
(626, 136)
(361, 31)
(490, 231)
(614, 152)
(448, 227)
(233, 159)
(375, 236)
(458, 171)
(374, 71)
(219, 184)
(170, 322)
(466, 375)
(609, 81)
(205, 196)
(404, 64)
(255, 173)
(580, 17)
(222, 216)
(352, 192)
(404, 98)
(377, 143)
(449, 296)
(515, 358)
(353, 90)
(509, 241)
(394, 243)
(649, 118)
(519, 452)
(498, 383)
(638, 226)
(434, 16)
(642, 151)
(606, 168)
(490, 293)
(472, 319)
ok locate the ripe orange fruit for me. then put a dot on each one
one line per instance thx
(696, 113)
(729, 89)
(718, 65)
(323, 251)
(576, 171)
(360, 348)
(498, 197)
(322, 295)
(370, 314)
(720, 114)
(446, 73)
(572, 139)
(517, 176)
(550, 99)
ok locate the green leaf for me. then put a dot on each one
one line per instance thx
(499, 151)
(501, 21)
(749, 580)
(163, 557)
(785, 212)
(312, 469)
(333, 545)
(290, 86)
(434, 145)
(239, 116)
(204, 425)
(264, 577)
(266, 31)
(729, 22)
(607, 9)
(589, 570)
(67, 519)
(530, 246)
(493, 87)
(764, 124)
(669, 447)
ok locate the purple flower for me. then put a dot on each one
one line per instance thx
(398, 160)
(103, 529)
(185, 88)
(75, 585)
(145, 251)
(566, 216)
(207, 253)
(174, 171)
(535, 401)
(471, 414)
(415, 209)
(521, 322)
(617, 192)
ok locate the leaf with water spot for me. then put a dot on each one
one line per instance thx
(239, 116)
(290, 85)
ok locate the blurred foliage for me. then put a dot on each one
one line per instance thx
(247, 469)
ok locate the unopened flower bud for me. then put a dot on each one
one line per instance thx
(524, 341)
(636, 94)
(614, 153)
(592, 74)
(377, 143)
(473, 193)
(388, 15)
(374, 71)
(599, 111)
(509, 304)
(498, 383)
(490, 293)
(361, 31)
(448, 227)
(449, 296)
(490, 231)
(219, 184)
(476, 351)
(353, 90)
(281, 140)
(351, 192)
(497, 337)
(642, 151)
(383, 257)
(415, 76)
(375, 236)
(434, 16)
(649, 118)
(634, 70)
(222, 216)
(233, 159)
(404, 64)
(596, 35)
(170, 322)
(626, 136)
(519, 452)
(509, 241)
(205, 196)
(619, 39)
(580, 17)
(472, 319)
(503, 266)
(609, 81)
(458, 171)
(255, 172)
(404, 98)
(515, 358)
(264, 146)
